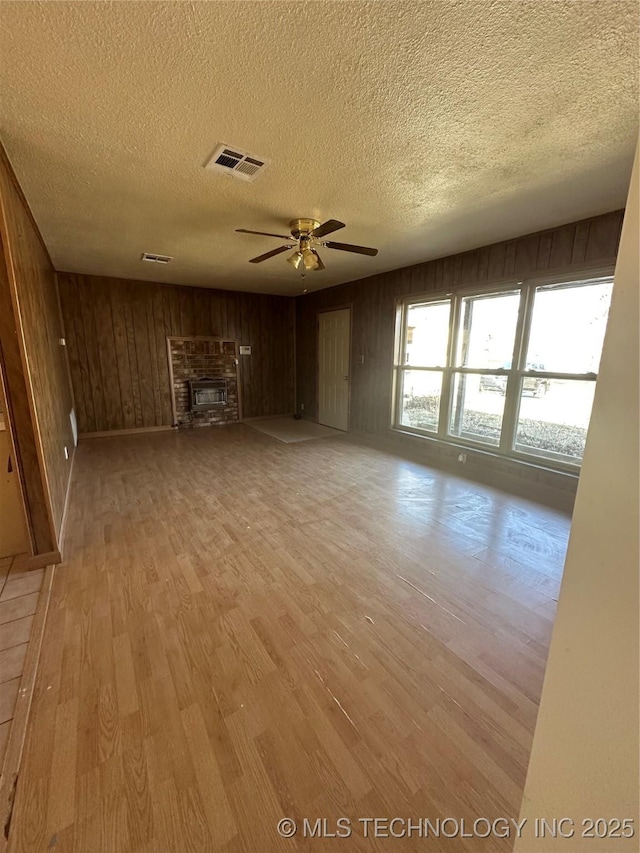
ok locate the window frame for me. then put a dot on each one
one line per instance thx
(515, 375)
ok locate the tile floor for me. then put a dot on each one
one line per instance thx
(19, 591)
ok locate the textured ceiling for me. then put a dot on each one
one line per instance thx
(428, 127)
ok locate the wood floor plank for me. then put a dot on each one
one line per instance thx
(62, 789)
(219, 817)
(244, 631)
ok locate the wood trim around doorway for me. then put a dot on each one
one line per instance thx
(25, 441)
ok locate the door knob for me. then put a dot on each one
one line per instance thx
(345, 377)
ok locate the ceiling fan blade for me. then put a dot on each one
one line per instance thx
(264, 234)
(327, 227)
(347, 247)
(268, 255)
(320, 266)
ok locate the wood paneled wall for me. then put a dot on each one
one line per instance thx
(567, 248)
(36, 374)
(116, 334)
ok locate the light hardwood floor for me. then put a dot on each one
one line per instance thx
(245, 630)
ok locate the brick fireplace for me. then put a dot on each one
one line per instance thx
(204, 381)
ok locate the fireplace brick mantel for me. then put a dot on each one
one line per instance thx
(196, 358)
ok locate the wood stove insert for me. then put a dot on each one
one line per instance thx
(207, 393)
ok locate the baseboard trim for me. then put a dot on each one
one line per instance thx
(17, 735)
(110, 433)
(41, 561)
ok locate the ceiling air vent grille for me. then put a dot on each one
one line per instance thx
(155, 259)
(234, 162)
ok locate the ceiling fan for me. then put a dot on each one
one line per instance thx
(308, 234)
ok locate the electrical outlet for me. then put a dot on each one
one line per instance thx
(462, 457)
(302, 407)
(66, 452)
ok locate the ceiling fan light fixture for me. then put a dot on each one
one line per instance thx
(307, 234)
(309, 259)
(295, 260)
(319, 266)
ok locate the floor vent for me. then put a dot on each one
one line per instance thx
(155, 259)
(234, 162)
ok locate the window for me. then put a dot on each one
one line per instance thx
(425, 342)
(563, 355)
(511, 369)
(486, 331)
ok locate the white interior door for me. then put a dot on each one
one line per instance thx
(333, 374)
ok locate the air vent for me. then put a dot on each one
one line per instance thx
(234, 162)
(155, 259)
